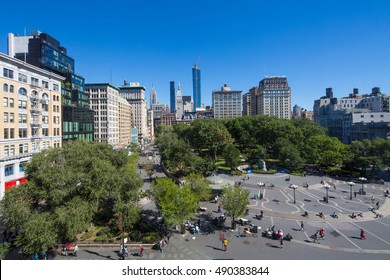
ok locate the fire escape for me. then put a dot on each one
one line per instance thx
(35, 122)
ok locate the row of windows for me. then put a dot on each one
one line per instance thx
(8, 73)
(9, 133)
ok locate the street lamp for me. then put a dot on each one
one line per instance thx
(362, 179)
(294, 187)
(326, 186)
(351, 184)
(260, 184)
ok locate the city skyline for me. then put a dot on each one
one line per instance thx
(331, 44)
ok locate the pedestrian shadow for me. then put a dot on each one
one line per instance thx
(100, 255)
(296, 229)
(215, 248)
(355, 237)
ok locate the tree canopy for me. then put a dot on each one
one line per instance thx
(68, 188)
(176, 203)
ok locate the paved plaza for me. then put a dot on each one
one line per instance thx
(342, 235)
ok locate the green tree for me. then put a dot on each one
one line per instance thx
(177, 204)
(232, 156)
(199, 186)
(68, 189)
(149, 168)
(326, 151)
(235, 201)
(37, 234)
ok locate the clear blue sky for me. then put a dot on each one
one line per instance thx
(339, 44)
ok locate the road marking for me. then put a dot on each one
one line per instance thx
(342, 234)
(304, 231)
(382, 223)
(375, 235)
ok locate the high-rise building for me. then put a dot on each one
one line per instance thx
(153, 96)
(274, 97)
(197, 97)
(125, 122)
(172, 96)
(179, 104)
(104, 102)
(30, 117)
(246, 104)
(45, 52)
(227, 103)
(134, 93)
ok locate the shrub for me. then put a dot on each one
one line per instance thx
(152, 237)
(103, 231)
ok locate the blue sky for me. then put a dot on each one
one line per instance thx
(339, 44)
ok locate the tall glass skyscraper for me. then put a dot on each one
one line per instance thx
(172, 97)
(196, 86)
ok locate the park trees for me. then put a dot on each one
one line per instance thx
(199, 186)
(68, 189)
(176, 203)
(326, 151)
(235, 201)
(210, 135)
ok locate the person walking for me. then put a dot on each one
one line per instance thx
(219, 208)
(225, 243)
(162, 246)
(362, 234)
(302, 226)
(373, 199)
(281, 243)
(141, 251)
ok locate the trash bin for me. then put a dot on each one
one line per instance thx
(261, 196)
(325, 199)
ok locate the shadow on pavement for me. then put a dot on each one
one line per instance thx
(215, 248)
(97, 254)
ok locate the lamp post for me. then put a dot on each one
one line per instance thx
(362, 179)
(326, 186)
(260, 184)
(351, 184)
(294, 187)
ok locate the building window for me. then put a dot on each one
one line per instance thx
(45, 84)
(11, 117)
(34, 81)
(12, 150)
(45, 131)
(22, 165)
(56, 87)
(22, 78)
(8, 73)
(11, 102)
(22, 118)
(9, 170)
(11, 89)
(5, 87)
(5, 118)
(5, 101)
(23, 148)
(6, 134)
(22, 91)
(22, 132)
(22, 104)
(6, 151)
(12, 133)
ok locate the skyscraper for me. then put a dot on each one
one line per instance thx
(196, 87)
(173, 96)
(179, 104)
(153, 96)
